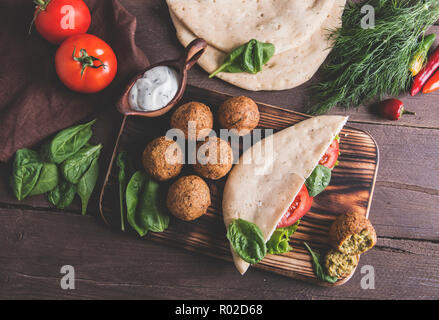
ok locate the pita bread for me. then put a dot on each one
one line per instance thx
(262, 190)
(284, 71)
(226, 24)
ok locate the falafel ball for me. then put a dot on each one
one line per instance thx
(352, 233)
(163, 159)
(339, 264)
(200, 116)
(214, 158)
(188, 198)
(240, 113)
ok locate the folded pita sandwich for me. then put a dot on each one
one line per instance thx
(262, 186)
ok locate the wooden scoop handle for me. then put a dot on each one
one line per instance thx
(193, 52)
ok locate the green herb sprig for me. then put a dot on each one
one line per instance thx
(369, 63)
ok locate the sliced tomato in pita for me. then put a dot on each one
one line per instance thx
(300, 206)
(330, 157)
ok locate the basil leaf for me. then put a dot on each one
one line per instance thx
(279, 241)
(247, 240)
(150, 213)
(317, 267)
(69, 141)
(75, 166)
(133, 191)
(318, 180)
(87, 183)
(47, 180)
(62, 195)
(249, 57)
(25, 172)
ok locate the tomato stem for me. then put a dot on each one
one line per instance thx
(86, 60)
(41, 5)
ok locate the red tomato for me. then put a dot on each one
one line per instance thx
(57, 20)
(330, 157)
(85, 63)
(300, 206)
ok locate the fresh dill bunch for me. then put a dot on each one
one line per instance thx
(369, 63)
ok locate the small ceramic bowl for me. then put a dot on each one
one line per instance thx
(191, 55)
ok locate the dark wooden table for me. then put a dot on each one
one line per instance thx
(36, 240)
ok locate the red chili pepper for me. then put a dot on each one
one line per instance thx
(393, 109)
(432, 84)
(425, 74)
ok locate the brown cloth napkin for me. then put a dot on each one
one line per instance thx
(33, 101)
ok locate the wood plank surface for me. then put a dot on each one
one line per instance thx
(111, 265)
(36, 240)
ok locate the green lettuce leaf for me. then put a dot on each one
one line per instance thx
(279, 241)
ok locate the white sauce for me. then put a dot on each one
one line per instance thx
(155, 89)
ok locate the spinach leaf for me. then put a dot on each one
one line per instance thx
(75, 166)
(318, 180)
(87, 183)
(318, 269)
(122, 163)
(133, 191)
(279, 241)
(47, 181)
(144, 211)
(62, 195)
(247, 240)
(249, 57)
(256, 54)
(67, 142)
(232, 62)
(25, 172)
(151, 214)
(44, 153)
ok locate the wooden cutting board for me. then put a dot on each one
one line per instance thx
(351, 189)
